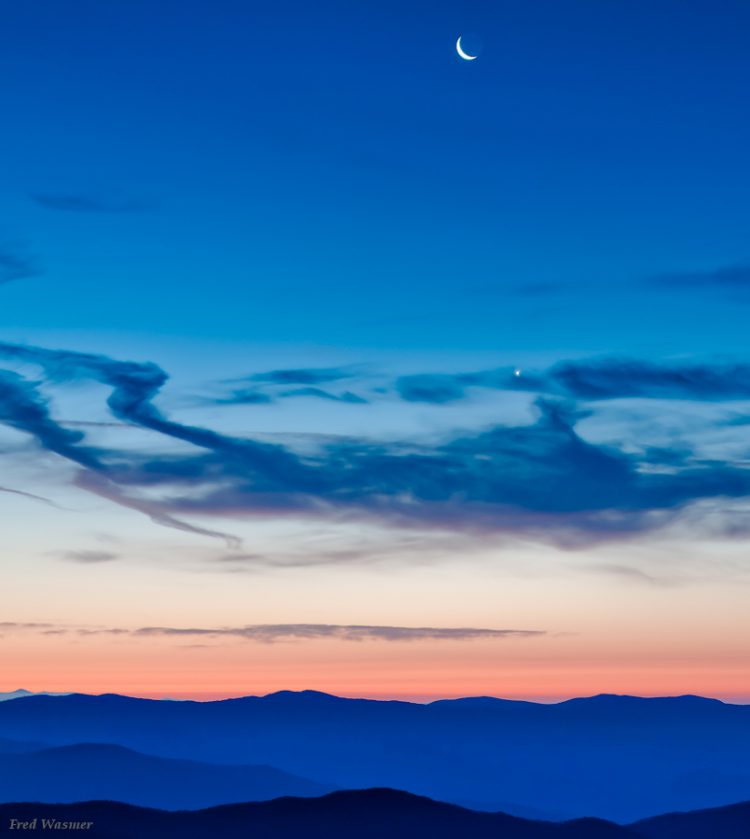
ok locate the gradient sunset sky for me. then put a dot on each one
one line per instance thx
(329, 360)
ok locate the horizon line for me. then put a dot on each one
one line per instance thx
(216, 696)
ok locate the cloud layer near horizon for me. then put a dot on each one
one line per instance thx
(541, 479)
(272, 633)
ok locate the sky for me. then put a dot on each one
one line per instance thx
(330, 360)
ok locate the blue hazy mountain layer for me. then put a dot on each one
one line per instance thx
(93, 771)
(97, 771)
(620, 758)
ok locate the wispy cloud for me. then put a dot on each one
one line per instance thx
(590, 380)
(29, 495)
(269, 633)
(24, 408)
(79, 202)
(13, 626)
(89, 557)
(273, 633)
(318, 393)
(256, 396)
(244, 396)
(727, 278)
(15, 264)
(540, 479)
(636, 575)
(267, 387)
(440, 388)
(302, 376)
(156, 511)
(541, 289)
(736, 420)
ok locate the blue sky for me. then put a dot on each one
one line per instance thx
(336, 175)
(293, 286)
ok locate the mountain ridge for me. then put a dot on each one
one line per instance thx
(317, 695)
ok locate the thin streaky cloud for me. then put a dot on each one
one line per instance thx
(591, 380)
(242, 396)
(29, 495)
(15, 264)
(256, 396)
(318, 393)
(734, 277)
(541, 289)
(24, 626)
(75, 202)
(637, 575)
(98, 485)
(94, 424)
(302, 376)
(89, 557)
(270, 633)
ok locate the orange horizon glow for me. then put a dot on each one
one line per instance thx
(540, 670)
(593, 635)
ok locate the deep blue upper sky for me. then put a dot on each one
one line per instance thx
(332, 173)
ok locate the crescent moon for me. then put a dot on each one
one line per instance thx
(460, 51)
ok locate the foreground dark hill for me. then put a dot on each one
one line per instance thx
(723, 823)
(365, 814)
(621, 758)
(92, 771)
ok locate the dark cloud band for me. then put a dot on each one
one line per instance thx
(269, 633)
(589, 380)
(541, 479)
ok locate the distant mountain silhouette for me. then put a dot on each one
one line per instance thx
(22, 693)
(615, 757)
(364, 814)
(14, 694)
(92, 771)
